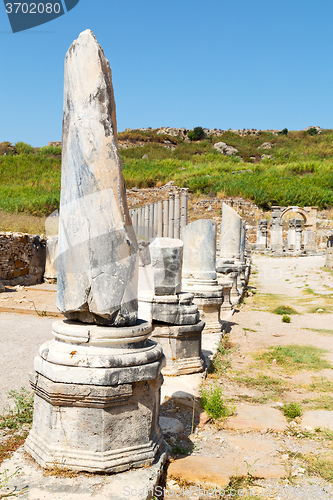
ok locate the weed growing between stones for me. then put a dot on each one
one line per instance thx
(214, 404)
(4, 479)
(295, 357)
(222, 359)
(291, 410)
(14, 418)
(320, 466)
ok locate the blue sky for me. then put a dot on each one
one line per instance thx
(224, 64)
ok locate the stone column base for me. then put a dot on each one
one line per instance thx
(181, 346)
(97, 396)
(208, 298)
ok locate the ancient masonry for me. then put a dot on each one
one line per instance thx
(22, 258)
(97, 383)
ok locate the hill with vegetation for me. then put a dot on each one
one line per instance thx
(288, 168)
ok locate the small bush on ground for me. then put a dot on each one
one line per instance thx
(214, 404)
(222, 360)
(292, 410)
(14, 418)
(196, 134)
(286, 318)
(284, 310)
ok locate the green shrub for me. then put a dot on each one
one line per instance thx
(6, 148)
(292, 410)
(196, 134)
(23, 148)
(283, 131)
(214, 404)
(286, 318)
(312, 131)
(284, 310)
(22, 413)
(50, 150)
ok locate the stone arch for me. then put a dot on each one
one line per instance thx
(303, 213)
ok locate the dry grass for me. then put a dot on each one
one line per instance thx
(11, 444)
(22, 223)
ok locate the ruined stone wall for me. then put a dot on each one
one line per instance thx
(22, 258)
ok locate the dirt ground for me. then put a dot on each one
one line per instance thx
(273, 458)
(258, 448)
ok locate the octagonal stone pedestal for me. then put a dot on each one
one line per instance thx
(181, 346)
(97, 393)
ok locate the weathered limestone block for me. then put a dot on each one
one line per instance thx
(230, 233)
(166, 260)
(181, 346)
(97, 263)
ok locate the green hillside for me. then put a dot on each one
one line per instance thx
(299, 172)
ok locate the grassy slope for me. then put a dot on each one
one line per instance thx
(300, 172)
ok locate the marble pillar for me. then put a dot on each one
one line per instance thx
(230, 234)
(309, 241)
(276, 243)
(199, 271)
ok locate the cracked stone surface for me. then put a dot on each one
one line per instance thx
(97, 264)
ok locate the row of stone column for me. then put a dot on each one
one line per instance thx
(165, 218)
(187, 296)
(294, 238)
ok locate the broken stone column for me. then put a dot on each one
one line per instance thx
(292, 235)
(226, 310)
(276, 230)
(329, 252)
(262, 235)
(199, 271)
(230, 234)
(176, 323)
(298, 230)
(309, 241)
(97, 383)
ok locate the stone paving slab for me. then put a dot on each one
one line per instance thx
(210, 472)
(256, 418)
(318, 418)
